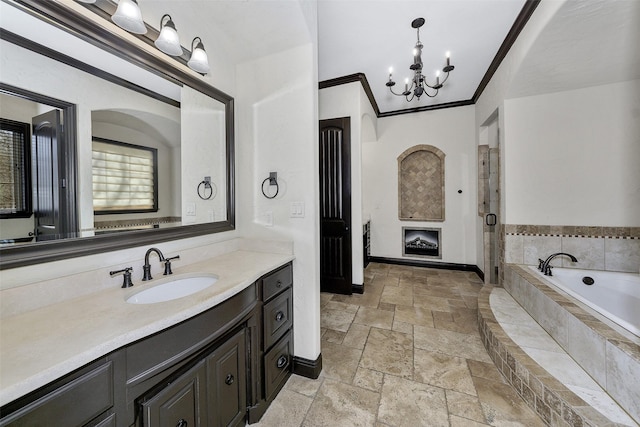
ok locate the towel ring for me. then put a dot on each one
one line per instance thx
(273, 180)
(210, 185)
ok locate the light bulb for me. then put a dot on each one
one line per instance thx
(129, 17)
(168, 40)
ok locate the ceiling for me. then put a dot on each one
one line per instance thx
(356, 36)
(586, 42)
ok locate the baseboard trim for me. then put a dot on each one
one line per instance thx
(357, 289)
(307, 368)
(429, 264)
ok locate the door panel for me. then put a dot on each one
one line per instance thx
(181, 403)
(226, 383)
(47, 181)
(335, 206)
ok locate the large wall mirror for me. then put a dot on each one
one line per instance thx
(107, 132)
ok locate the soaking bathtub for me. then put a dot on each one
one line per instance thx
(605, 345)
(614, 295)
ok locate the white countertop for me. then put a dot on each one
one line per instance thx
(39, 346)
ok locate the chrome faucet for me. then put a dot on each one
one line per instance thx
(146, 268)
(544, 266)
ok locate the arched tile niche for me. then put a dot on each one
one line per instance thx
(421, 184)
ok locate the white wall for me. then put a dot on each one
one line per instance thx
(277, 130)
(19, 110)
(452, 131)
(572, 158)
(568, 158)
(203, 153)
(349, 100)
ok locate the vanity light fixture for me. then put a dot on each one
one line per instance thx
(129, 17)
(199, 61)
(168, 40)
(419, 86)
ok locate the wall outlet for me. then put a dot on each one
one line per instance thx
(297, 210)
(268, 218)
(190, 209)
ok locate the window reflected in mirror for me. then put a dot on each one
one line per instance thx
(125, 177)
(15, 171)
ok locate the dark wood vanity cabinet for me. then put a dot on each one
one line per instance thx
(219, 368)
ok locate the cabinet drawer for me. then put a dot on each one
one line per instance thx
(278, 317)
(74, 403)
(277, 366)
(276, 282)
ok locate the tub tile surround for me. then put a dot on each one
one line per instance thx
(597, 248)
(521, 362)
(100, 321)
(608, 353)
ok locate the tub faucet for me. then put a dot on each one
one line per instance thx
(545, 267)
(146, 268)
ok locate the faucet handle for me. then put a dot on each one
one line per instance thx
(167, 265)
(547, 270)
(126, 276)
(540, 264)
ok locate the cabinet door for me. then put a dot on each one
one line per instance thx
(226, 384)
(180, 404)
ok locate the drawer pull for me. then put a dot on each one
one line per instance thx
(229, 380)
(279, 284)
(182, 423)
(279, 316)
(282, 360)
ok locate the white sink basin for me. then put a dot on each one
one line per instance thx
(174, 289)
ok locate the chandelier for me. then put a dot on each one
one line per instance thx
(419, 85)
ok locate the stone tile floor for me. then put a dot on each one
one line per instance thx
(405, 353)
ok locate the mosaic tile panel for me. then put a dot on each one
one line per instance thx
(421, 184)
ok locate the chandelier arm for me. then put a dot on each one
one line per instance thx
(446, 76)
(409, 90)
(396, 94)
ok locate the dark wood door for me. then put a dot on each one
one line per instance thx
(226, 383)
(48, 184)
(335, 206)
(181, 403)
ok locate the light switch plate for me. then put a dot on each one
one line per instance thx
(191, 209)
(297, 210)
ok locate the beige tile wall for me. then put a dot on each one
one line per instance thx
(597, 248)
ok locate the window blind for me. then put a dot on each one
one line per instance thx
(14, 169)
(124, 178)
